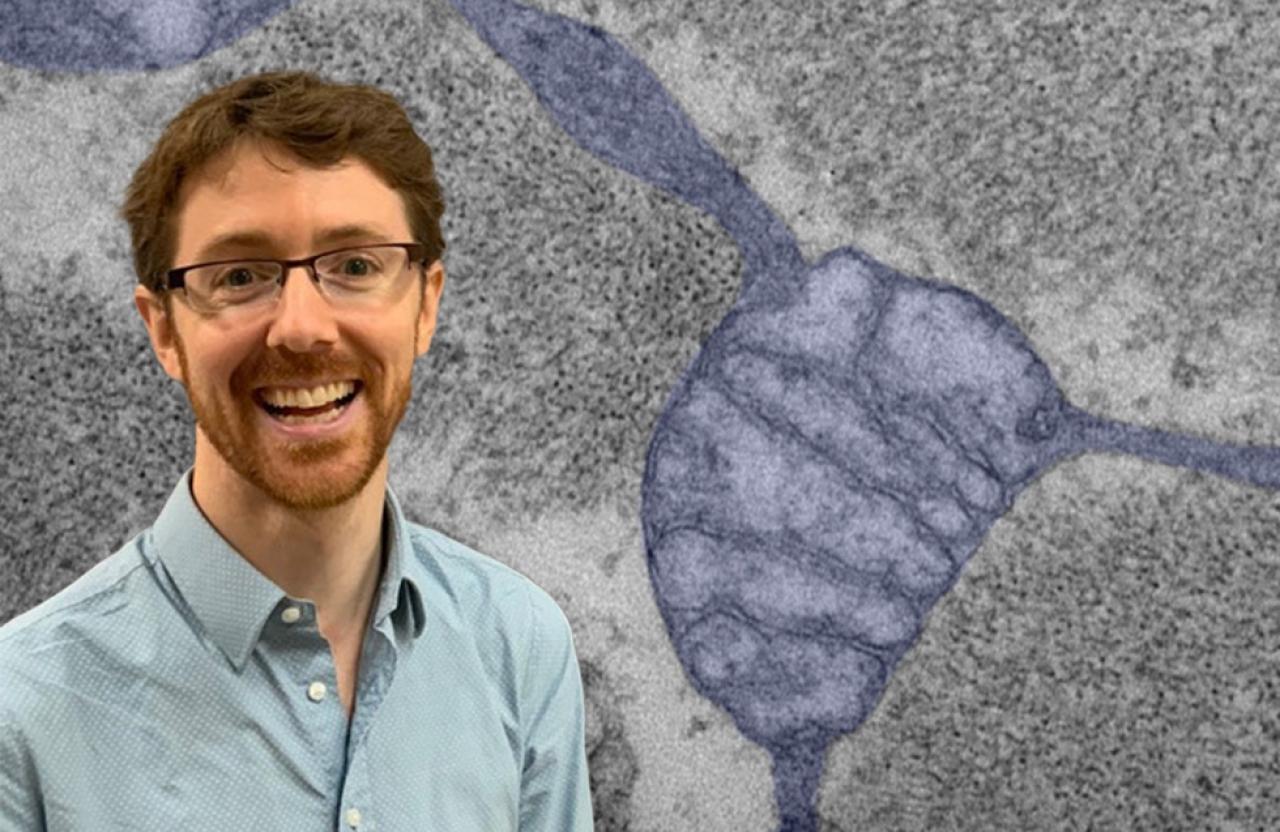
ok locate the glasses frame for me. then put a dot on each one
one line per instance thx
(176, 278)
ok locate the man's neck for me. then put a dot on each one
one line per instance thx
(332, 557)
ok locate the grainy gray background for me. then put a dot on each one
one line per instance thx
(1105, 176)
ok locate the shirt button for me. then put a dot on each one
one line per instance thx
(290, 615)
(316, 691)
(353, 817)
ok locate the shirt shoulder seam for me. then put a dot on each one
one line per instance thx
(69, 606)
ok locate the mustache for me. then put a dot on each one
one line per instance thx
(270, 374)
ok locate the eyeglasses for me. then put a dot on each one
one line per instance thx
(358, 276)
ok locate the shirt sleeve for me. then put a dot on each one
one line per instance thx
(19, 798)
(555, 795)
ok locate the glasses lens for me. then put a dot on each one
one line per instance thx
(233, 284)
(366, 272)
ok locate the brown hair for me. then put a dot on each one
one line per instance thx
(318, 121)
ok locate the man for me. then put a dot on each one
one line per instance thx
(283, 650)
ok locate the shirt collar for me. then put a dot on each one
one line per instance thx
(232, 599)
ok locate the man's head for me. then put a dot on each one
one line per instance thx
(288, 157)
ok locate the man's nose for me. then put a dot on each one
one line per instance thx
(304, 320)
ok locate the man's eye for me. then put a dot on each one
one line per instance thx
(358, 266)
(238, 277)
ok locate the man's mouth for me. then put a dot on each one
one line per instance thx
(292, 406)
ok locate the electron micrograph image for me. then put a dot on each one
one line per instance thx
(889, 395)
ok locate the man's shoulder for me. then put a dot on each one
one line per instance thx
(461, 566)
(96, 586)
(43, 648)
(479, 584)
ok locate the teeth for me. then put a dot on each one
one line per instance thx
(316, 396)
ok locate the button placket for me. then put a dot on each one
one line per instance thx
(316, 691)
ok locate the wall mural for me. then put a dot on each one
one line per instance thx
(819, 473)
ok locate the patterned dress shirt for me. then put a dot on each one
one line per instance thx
(174, 687)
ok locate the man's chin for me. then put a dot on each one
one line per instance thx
(307, 475)
(303, 486)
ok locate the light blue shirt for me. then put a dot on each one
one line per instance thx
(174, 687)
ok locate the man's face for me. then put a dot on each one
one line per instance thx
(224, 363)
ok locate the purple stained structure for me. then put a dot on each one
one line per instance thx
(836, 451)
(820, 476)
(98, 35)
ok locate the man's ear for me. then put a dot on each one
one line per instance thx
(431, 289)
(160, 327)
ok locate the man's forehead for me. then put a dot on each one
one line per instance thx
(258, 239)
(220, 172)
(240, 232)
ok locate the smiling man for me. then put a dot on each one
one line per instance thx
(283, 649)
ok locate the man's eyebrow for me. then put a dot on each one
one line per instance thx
(240, 240)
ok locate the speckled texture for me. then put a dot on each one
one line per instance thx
(93, 434)
(1109, 662)
(1104, 177)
